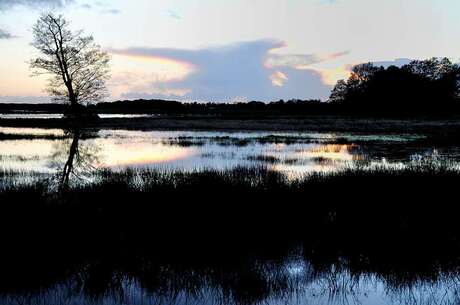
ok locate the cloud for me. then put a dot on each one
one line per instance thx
(173, 14)
(278, 79)
(300, 61)
(101, 7)
(331, 76)
(144, 84)
(8, 4)
(113, 11)
(399, 62)
(6, 35)
(245, 70)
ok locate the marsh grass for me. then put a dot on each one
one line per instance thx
(433, 170)
(264, 159)
(187, 141)
(18, 158)
(13, 136)
(15, 180)
(232, 231)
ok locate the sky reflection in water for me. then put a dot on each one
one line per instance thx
(305, 286)
(292, 153)
(59, 116)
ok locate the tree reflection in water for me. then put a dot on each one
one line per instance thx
(74, 159)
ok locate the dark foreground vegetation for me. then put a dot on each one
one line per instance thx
(230, 231)
(240, 182)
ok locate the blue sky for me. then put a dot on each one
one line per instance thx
(224, 50)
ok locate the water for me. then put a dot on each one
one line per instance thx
(296, 154)
(20, 115)
(294, 281)
(333, 265)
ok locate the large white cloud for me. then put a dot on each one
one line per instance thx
(248, 70)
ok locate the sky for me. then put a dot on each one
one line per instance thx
(231, 50)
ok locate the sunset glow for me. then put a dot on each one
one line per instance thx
(141, 154)
(183, 50)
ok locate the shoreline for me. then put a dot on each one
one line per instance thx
(330, 123)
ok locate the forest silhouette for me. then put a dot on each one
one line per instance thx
(428, 86)
(421, 88)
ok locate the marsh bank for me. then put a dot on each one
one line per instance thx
(313, 123)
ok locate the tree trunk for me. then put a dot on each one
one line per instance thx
(69, 165)
(73, 100)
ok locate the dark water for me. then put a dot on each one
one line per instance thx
(339, 288)
(293, 280)
(360, 258)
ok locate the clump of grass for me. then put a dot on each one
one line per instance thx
(293, 161)
(187, 141)
(19, 158)
(239, 142)
(340, 140)
(184, 142)
(8, 136)
(405, 177)
(322, 160)
(15, 180)
(208, 155)
(264, 159)
(288, 140)
(239, 179)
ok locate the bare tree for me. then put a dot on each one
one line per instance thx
(77, 65)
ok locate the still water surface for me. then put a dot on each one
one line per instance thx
(292, 282)
(20, 115)
(42, 150)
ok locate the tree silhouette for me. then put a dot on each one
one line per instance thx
(422, 86)
(78, 67)
(73, 159)
(339, 92)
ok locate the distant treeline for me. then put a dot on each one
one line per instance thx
(427, 87)
(290, 107)
(175, 107)
(161, 106)
(24, 107)
(421, 87)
